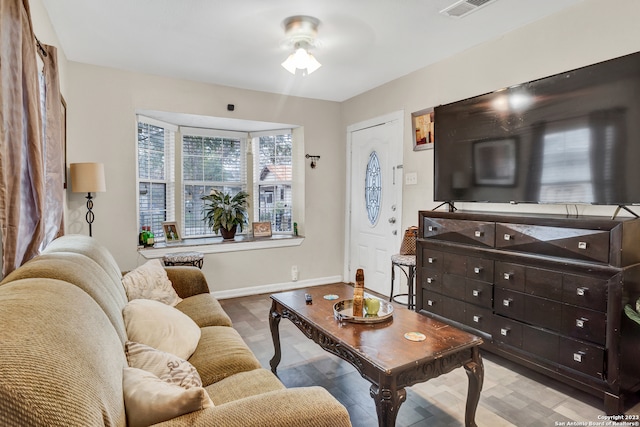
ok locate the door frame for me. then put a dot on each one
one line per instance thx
(376, 121)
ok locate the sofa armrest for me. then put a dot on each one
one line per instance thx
(293, 407)
(187, 280)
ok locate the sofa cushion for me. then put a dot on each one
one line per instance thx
(89, 247)
(149, 400)
(150, 281)
(83, 272)
(243, 384)
(205, 310)
(166, 366)
(61, 358)
(221, 353)
(161, 327)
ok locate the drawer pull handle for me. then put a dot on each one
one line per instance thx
(507, 276)
(431, 228)
(431, 260)
(430, 303)
(580, 323)
(508, 237)
(476, 319)
(504, 332)
(507, 302)
(478, 233)
(477, 270)
(582, 245)
(578, 356)
(476, 293)
(581, 291)
(430, 280)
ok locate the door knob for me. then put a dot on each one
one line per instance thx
(392, 220)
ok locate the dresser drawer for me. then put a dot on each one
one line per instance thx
(453, 286)
(478, 318)
(543, 312)
(543, 283)
(575, 243)
(455, 264)
(586, 358)
(430, 258)
(454, 309)
(509, 303)
(476, 233)
(506, 331)
(509, 276)
(480, 269)
(479, 293)
(432, 302)
(542, 343)
(585, 292)
(431, 280)
(584, 324)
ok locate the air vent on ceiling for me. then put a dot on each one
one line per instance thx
(464, 7)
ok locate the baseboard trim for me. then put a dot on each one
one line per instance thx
(276, 287)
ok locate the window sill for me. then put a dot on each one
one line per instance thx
(216, 245)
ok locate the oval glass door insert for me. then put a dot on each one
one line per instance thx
(373, 188)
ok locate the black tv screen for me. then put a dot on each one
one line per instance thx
(570, 138)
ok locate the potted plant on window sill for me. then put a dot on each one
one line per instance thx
(225, 213)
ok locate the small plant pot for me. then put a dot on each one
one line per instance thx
(228, 234)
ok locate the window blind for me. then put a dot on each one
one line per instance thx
(156, 174)
(273, 179)
(211, 160)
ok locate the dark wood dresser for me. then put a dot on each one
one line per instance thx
(546, 291)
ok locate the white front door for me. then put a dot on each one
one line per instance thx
(375, 200)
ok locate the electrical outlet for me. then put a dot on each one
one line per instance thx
(411, 178)
(294, 273)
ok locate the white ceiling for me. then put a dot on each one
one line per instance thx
(238, 43)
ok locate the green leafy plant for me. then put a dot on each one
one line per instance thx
(221, 210)
(633, 314)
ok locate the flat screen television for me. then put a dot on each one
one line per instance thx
(571, 138)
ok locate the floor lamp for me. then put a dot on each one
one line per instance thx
(88, 178)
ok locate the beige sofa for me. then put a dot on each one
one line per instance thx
(62, 354)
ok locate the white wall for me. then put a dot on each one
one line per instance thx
(590, 32)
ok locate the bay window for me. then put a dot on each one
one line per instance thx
(177, 166)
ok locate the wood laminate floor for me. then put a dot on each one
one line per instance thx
(511, 395)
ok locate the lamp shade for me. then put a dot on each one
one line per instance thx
(87, 178)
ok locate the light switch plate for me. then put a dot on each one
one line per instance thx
(411, 178)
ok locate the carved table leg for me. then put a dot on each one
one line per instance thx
(274, 323)
(475, 373)
(388, 403)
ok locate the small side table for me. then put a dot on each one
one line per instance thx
(402, 261)
(195, 259)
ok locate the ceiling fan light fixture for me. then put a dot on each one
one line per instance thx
(301, 59)
(301, 32)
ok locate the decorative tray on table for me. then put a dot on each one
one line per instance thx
(343, 310)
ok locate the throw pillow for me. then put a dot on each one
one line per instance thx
(150, 281)
(166, 366)
(149, 400)
(161, 326)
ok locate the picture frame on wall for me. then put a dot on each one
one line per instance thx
(422, 123)
(261, 229)
(171, 233)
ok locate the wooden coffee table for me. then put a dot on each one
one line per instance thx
(379, 351)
